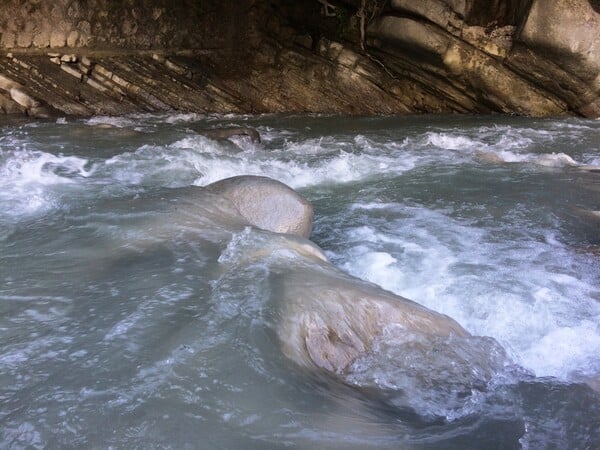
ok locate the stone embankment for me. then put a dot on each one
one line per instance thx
(531, 57)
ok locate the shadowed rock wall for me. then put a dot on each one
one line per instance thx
(82, 57)
(127, 24)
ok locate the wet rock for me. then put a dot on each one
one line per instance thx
(9, 106)
(226, 133)
(267, 204)
(328, 321)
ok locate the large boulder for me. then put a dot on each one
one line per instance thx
(325, 320)
(568, 33)
(329, 319)
(267, 204)
(332, 324)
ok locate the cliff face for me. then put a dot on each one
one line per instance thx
(82, 57)
(539, 58)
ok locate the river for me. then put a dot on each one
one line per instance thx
(124, 325)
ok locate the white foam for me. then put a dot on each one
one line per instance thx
(531, 295)
(183, 118)
(512, 139)
(115, 121)
(565, 350)
(25, 435)
(449, 141)
(268, 134)
(197, 160)
(26, 166)
(154, 165)
(342, 168)
(546, 160)
(315, 146)
(374, 206)
(121, 328)
(378, 267)
(511, 157)
(27, 179)
(499, 144)
(593, 160)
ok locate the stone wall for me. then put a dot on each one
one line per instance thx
(124, 24)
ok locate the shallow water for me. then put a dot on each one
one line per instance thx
(130, 316)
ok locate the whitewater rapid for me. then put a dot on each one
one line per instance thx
(445, 262)
(493, 222)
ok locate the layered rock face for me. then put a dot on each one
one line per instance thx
(537, 58)
(85, 57)
(532, 57)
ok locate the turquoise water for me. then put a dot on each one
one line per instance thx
(131, 317)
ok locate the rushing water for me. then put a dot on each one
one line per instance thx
(128, 323)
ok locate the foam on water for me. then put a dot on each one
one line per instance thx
(27, 178)
(450, 141)
(533, 296)
(452, 384)
(499, 145)
(26, 167)
(183, 118)
(326, 165)
(285, 155)
(119, 122)
(152, 165)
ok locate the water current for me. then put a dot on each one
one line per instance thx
(133, 316)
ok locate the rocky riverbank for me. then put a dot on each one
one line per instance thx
(538, 58)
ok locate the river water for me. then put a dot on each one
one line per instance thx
(130, 317)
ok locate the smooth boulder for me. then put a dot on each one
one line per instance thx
(267, 204)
